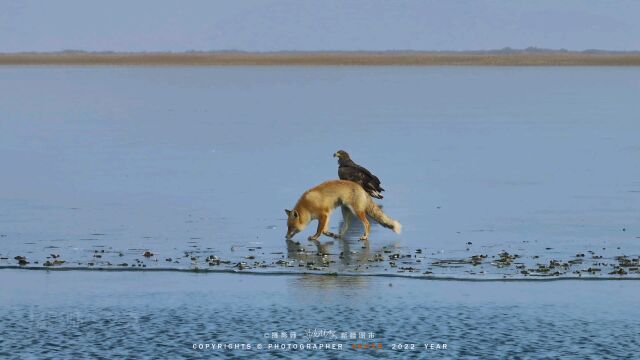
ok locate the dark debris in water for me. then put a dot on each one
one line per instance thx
(355, 258)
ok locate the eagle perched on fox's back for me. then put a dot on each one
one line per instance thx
(349, 170)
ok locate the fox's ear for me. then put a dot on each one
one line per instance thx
(295, 214)
(288, 212)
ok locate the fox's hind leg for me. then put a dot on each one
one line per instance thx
(346, 219)
(363, 217)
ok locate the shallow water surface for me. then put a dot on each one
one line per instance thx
(530, 170)
(148, 315)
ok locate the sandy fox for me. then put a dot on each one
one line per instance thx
(318, 202)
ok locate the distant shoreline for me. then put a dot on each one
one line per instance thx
(519, 58)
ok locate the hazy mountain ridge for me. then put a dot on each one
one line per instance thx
(503, 51)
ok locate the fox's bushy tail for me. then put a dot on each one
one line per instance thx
(376, 213)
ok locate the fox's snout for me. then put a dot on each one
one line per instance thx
(290, 233)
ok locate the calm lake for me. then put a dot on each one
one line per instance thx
(517, 173)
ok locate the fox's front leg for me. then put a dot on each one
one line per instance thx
(325, 230)
(330, 234)
(322, 224)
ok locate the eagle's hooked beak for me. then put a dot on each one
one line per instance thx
(335, 154)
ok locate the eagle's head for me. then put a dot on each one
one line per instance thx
(341, 155)
(294, 223)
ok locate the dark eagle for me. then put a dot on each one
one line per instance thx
(348, 170)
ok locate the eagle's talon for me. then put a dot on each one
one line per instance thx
(312, 238)
(364, 238)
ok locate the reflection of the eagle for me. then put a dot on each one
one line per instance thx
(348, 256)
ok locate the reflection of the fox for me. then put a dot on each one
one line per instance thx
(310, 282)
(351, 228)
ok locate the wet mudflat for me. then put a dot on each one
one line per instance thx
(322, 258)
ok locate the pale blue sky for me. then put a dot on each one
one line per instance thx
(271, 25)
